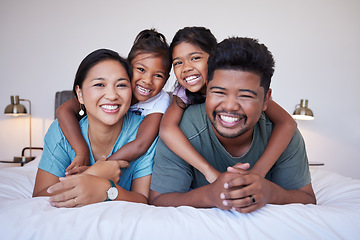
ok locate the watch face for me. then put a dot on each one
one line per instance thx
(112, 193)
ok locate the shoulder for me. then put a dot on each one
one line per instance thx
(180, 92)
(131, 119)
(195, 111)
(194, 120)
(157, 104)
(54, 133)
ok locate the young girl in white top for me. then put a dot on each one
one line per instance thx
(190, 49)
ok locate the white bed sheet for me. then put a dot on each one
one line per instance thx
(337, 215)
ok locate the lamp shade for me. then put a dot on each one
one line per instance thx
(15, 108)
(302, 112)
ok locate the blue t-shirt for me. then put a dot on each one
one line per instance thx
(58, 154)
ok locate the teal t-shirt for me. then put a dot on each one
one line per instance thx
(172, 174)
(58, 154)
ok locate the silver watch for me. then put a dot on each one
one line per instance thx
(112, 193)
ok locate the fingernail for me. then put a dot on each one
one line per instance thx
(226, 185)
(225, 203)
(222, 196)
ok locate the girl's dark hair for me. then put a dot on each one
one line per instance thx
(152, 42)
(94, 58)
(205, 40)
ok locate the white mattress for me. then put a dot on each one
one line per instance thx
(337, 215)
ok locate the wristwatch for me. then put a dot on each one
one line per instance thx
(112, 193)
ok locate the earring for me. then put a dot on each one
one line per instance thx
(81, 112)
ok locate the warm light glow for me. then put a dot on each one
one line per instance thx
(16, 114)
(303, 117)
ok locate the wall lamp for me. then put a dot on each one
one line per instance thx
(16, 109)
(302, 112)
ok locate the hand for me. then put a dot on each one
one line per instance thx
(78, 165)
(217, 188)
(107, 169)
(78, 190)
(239, 189)
(239, 168)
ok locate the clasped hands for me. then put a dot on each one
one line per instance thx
(240, 189)
(87, 187)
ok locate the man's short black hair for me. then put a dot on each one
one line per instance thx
(245, 54)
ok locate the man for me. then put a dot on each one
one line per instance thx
(231, 130)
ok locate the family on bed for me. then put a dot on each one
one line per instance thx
(222, 141)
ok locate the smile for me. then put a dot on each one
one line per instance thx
(229, 119)
(193, 79)
(110, 108)
(142, 90)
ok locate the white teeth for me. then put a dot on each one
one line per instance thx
(110, 107)
(191, 79)
(143, 89)
(229, 119)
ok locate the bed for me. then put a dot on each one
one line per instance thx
(337, 215)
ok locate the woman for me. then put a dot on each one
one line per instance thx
(102, 86)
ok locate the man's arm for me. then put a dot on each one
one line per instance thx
(203, 197)
(233, 190)
(263, 192)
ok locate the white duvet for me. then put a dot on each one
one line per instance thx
(337, 215)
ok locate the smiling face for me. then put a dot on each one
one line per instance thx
(149, 76)
(234, 102)
(190, 66)
(106, 93)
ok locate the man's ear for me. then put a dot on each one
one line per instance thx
(79, 94)
(267, 99)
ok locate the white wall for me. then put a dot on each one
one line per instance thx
(315, 44)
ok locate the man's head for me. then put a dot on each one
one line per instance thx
(239, 76)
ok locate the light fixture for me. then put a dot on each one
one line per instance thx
(15, 109)
(302, 112)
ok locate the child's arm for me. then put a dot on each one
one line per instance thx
(146, 134)
(69, 124)
(177, 142)
(284, 129)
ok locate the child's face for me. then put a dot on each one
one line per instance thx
(106, 93)
(149, 76)
(190, 66)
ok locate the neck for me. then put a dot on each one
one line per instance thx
(238, 146)
(102, 137)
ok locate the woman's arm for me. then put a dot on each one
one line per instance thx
(43, 181)
(146, 134)
(69, 124)
(284, 129)
(83, 189)
(177, 142)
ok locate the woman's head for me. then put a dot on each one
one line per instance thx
(94, 58)
(190, 49)
(151, 62)
(102, 85)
